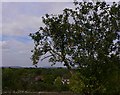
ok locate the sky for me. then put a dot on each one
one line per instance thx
(19, 19)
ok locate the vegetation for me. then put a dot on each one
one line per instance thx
(34, 79)
(87, 38)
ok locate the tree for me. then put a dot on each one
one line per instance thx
(76, 83)
(86, 37)
(11, 81)
(58, 84)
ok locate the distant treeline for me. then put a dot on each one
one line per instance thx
(35, 79)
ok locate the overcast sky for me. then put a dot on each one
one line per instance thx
(18, 20)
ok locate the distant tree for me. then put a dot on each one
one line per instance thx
(58, 84)
(11, 81)
(77, 83)
(86, 37)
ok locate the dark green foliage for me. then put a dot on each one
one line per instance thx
(24, 79)
(58, 84)
(86, 37)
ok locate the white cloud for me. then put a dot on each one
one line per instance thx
(2, 43)
(56, 8)
(21, 25)
(53, 0)
(37, 0)
(16, 53)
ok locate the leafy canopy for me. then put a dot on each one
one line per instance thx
(87, 37)
(79, 36)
